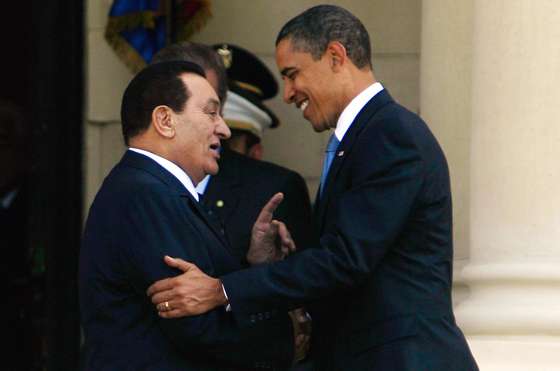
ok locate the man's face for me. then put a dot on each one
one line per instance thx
(310, 85)
(199, 129)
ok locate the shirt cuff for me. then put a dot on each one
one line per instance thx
(228, 306)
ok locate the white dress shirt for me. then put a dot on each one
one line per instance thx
(201, 187)
(349, 114)
(172, 168)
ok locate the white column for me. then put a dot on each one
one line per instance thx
(445, 100)
(511, 311)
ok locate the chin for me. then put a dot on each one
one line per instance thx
(320, 127)
(213, 170)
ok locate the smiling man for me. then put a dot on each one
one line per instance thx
(378, 286)
(146, 208)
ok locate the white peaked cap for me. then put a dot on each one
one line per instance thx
(240, 113)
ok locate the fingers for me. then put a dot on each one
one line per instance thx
(173, 313)
(161, 297)
(159, 286)
(287, 243)
(169, 309)
(267, 212)
(168, 283)
(178, 263)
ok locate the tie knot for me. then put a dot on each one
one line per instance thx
(332, 144)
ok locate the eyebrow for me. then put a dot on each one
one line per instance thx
(215, 103)
(286, 71)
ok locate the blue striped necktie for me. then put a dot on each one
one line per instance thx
(332, 145)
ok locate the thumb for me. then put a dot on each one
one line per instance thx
(178, 263)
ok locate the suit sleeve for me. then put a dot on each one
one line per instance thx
(157, 225)
(386, 172)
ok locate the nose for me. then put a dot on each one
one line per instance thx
(222, 130)
(289, 91)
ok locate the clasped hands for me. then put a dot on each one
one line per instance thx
(194, 292)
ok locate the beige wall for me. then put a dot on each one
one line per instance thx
(445, 103)
(394, 27)
(106, 78)
(490, 87)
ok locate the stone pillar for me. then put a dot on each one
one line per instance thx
(510, 313)
(445, 101)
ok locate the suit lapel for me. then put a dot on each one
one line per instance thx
(344, 150)
(145, 163)
(202, 213)
(220, 195)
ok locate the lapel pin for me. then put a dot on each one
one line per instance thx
(340, 154)
(220, 203)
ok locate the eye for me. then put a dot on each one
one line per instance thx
(214, 114)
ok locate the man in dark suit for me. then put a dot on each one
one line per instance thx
(146, 208)
(378, 286)
(245, 183)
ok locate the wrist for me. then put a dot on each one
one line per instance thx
(220, 297)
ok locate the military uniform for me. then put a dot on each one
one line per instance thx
(243, 185)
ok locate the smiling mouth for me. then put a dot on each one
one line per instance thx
(215, 148)
(303, 104)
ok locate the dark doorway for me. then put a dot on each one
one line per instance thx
(43, 77)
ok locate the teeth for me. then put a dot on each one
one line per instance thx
(304, 105)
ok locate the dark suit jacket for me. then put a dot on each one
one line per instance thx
(379, 284)
(243, 186)
(141, 213)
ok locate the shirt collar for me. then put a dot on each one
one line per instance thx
(201, 187)
(349, 114)
(172, 168)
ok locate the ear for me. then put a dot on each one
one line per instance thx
(256, 151)
(336, 52)
(162, 120)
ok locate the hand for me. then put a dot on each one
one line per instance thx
(188, 294)
(301, 323)
(270, 239)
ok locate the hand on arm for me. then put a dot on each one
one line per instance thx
(188, 294)
(302, 333)
(270, 239)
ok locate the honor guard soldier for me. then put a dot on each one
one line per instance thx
(245, 182)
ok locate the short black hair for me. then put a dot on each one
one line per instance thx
(201, 54)
(157, 84)
(312, 30)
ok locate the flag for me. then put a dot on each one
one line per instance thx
(137, 29)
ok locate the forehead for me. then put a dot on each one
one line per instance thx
(284, 50)
(289, 59)
(212, 78)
